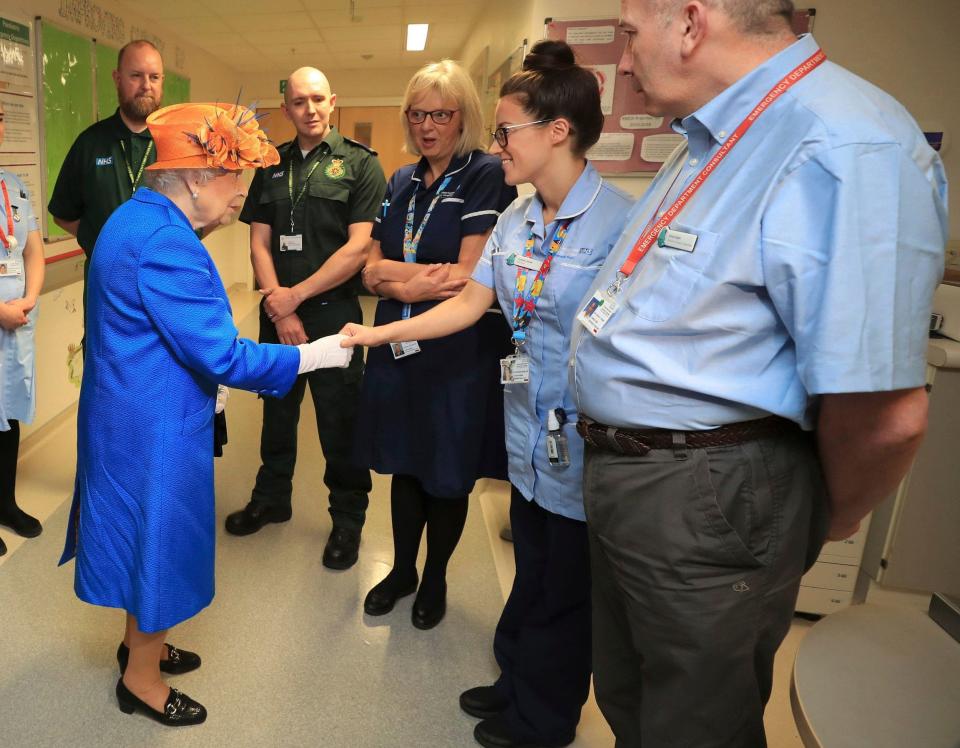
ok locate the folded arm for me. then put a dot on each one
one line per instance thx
(410, 282)
(340, 267)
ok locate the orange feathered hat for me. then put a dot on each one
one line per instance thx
(200, 136)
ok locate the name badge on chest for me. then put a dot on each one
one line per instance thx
(515, 369)
(404, 349)
(291, 242)
(11, 266)
(681, 240)
(522, 261)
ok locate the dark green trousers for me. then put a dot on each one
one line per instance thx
(335, 393)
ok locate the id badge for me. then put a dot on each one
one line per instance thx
(598, 310)
(404, 349)
(673, 239)
(11, 266)
(515, 369)
(291, 242)
(527, 263)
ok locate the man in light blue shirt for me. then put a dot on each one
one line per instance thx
(791, 294)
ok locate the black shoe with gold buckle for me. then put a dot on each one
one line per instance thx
(178, 662)
(179, 711)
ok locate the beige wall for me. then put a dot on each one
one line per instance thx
(348, 85)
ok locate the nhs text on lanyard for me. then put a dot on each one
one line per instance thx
(410, 243)
(515, 369)
(603, 304)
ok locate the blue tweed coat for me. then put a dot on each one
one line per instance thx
(159, 338)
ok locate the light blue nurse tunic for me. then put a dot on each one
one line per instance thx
(598, 211)
(17, 364)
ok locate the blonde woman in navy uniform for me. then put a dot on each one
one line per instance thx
(539, 262)
(424, 405)
(21, 262)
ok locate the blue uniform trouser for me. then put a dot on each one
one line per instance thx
(542, 644)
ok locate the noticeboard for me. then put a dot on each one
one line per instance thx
(632, 141)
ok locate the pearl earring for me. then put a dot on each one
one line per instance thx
(195, 195)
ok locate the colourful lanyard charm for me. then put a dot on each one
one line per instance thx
(525, 299)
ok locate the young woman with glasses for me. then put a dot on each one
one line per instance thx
(424, 405)
(539, 262)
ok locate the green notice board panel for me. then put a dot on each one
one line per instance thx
(68, 106)
(106, 88)
(78, 90)
(176, 89)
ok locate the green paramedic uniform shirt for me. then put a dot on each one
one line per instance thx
(94, 181)
(346, 186)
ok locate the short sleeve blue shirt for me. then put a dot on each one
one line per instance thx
(17, 365)
(598, 210)
(470, 204)
(820, 240)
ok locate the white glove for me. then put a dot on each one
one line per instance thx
(223, 395)
(324, 353)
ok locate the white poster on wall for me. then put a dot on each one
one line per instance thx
(612, 146)
(20, 151)
(658, 148)
(640, 122)
(20, 121)
(17, 71)
(590, 35)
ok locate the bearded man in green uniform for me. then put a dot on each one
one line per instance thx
(105, 164)
(310, 219)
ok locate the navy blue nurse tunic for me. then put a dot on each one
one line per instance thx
(438, 415)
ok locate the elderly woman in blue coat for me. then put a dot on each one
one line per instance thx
(159, 339)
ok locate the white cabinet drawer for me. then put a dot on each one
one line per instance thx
(831, 576)
(822, 602)
(851, 548)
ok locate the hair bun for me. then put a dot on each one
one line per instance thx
(549, 55)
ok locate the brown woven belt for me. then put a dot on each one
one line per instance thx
(633, 442)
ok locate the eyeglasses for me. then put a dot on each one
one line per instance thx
(500, 134)
(439, 116)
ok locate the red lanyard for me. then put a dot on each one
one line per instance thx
(649, 236)
(6, 204)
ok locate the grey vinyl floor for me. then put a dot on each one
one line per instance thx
(289, 658)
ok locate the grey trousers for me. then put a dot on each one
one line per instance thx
(696, 556)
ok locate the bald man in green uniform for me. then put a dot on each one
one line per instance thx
(106, 162)
(310, 219)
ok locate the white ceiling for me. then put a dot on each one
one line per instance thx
(263, 35)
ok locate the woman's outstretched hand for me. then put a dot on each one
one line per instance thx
(361, 335)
